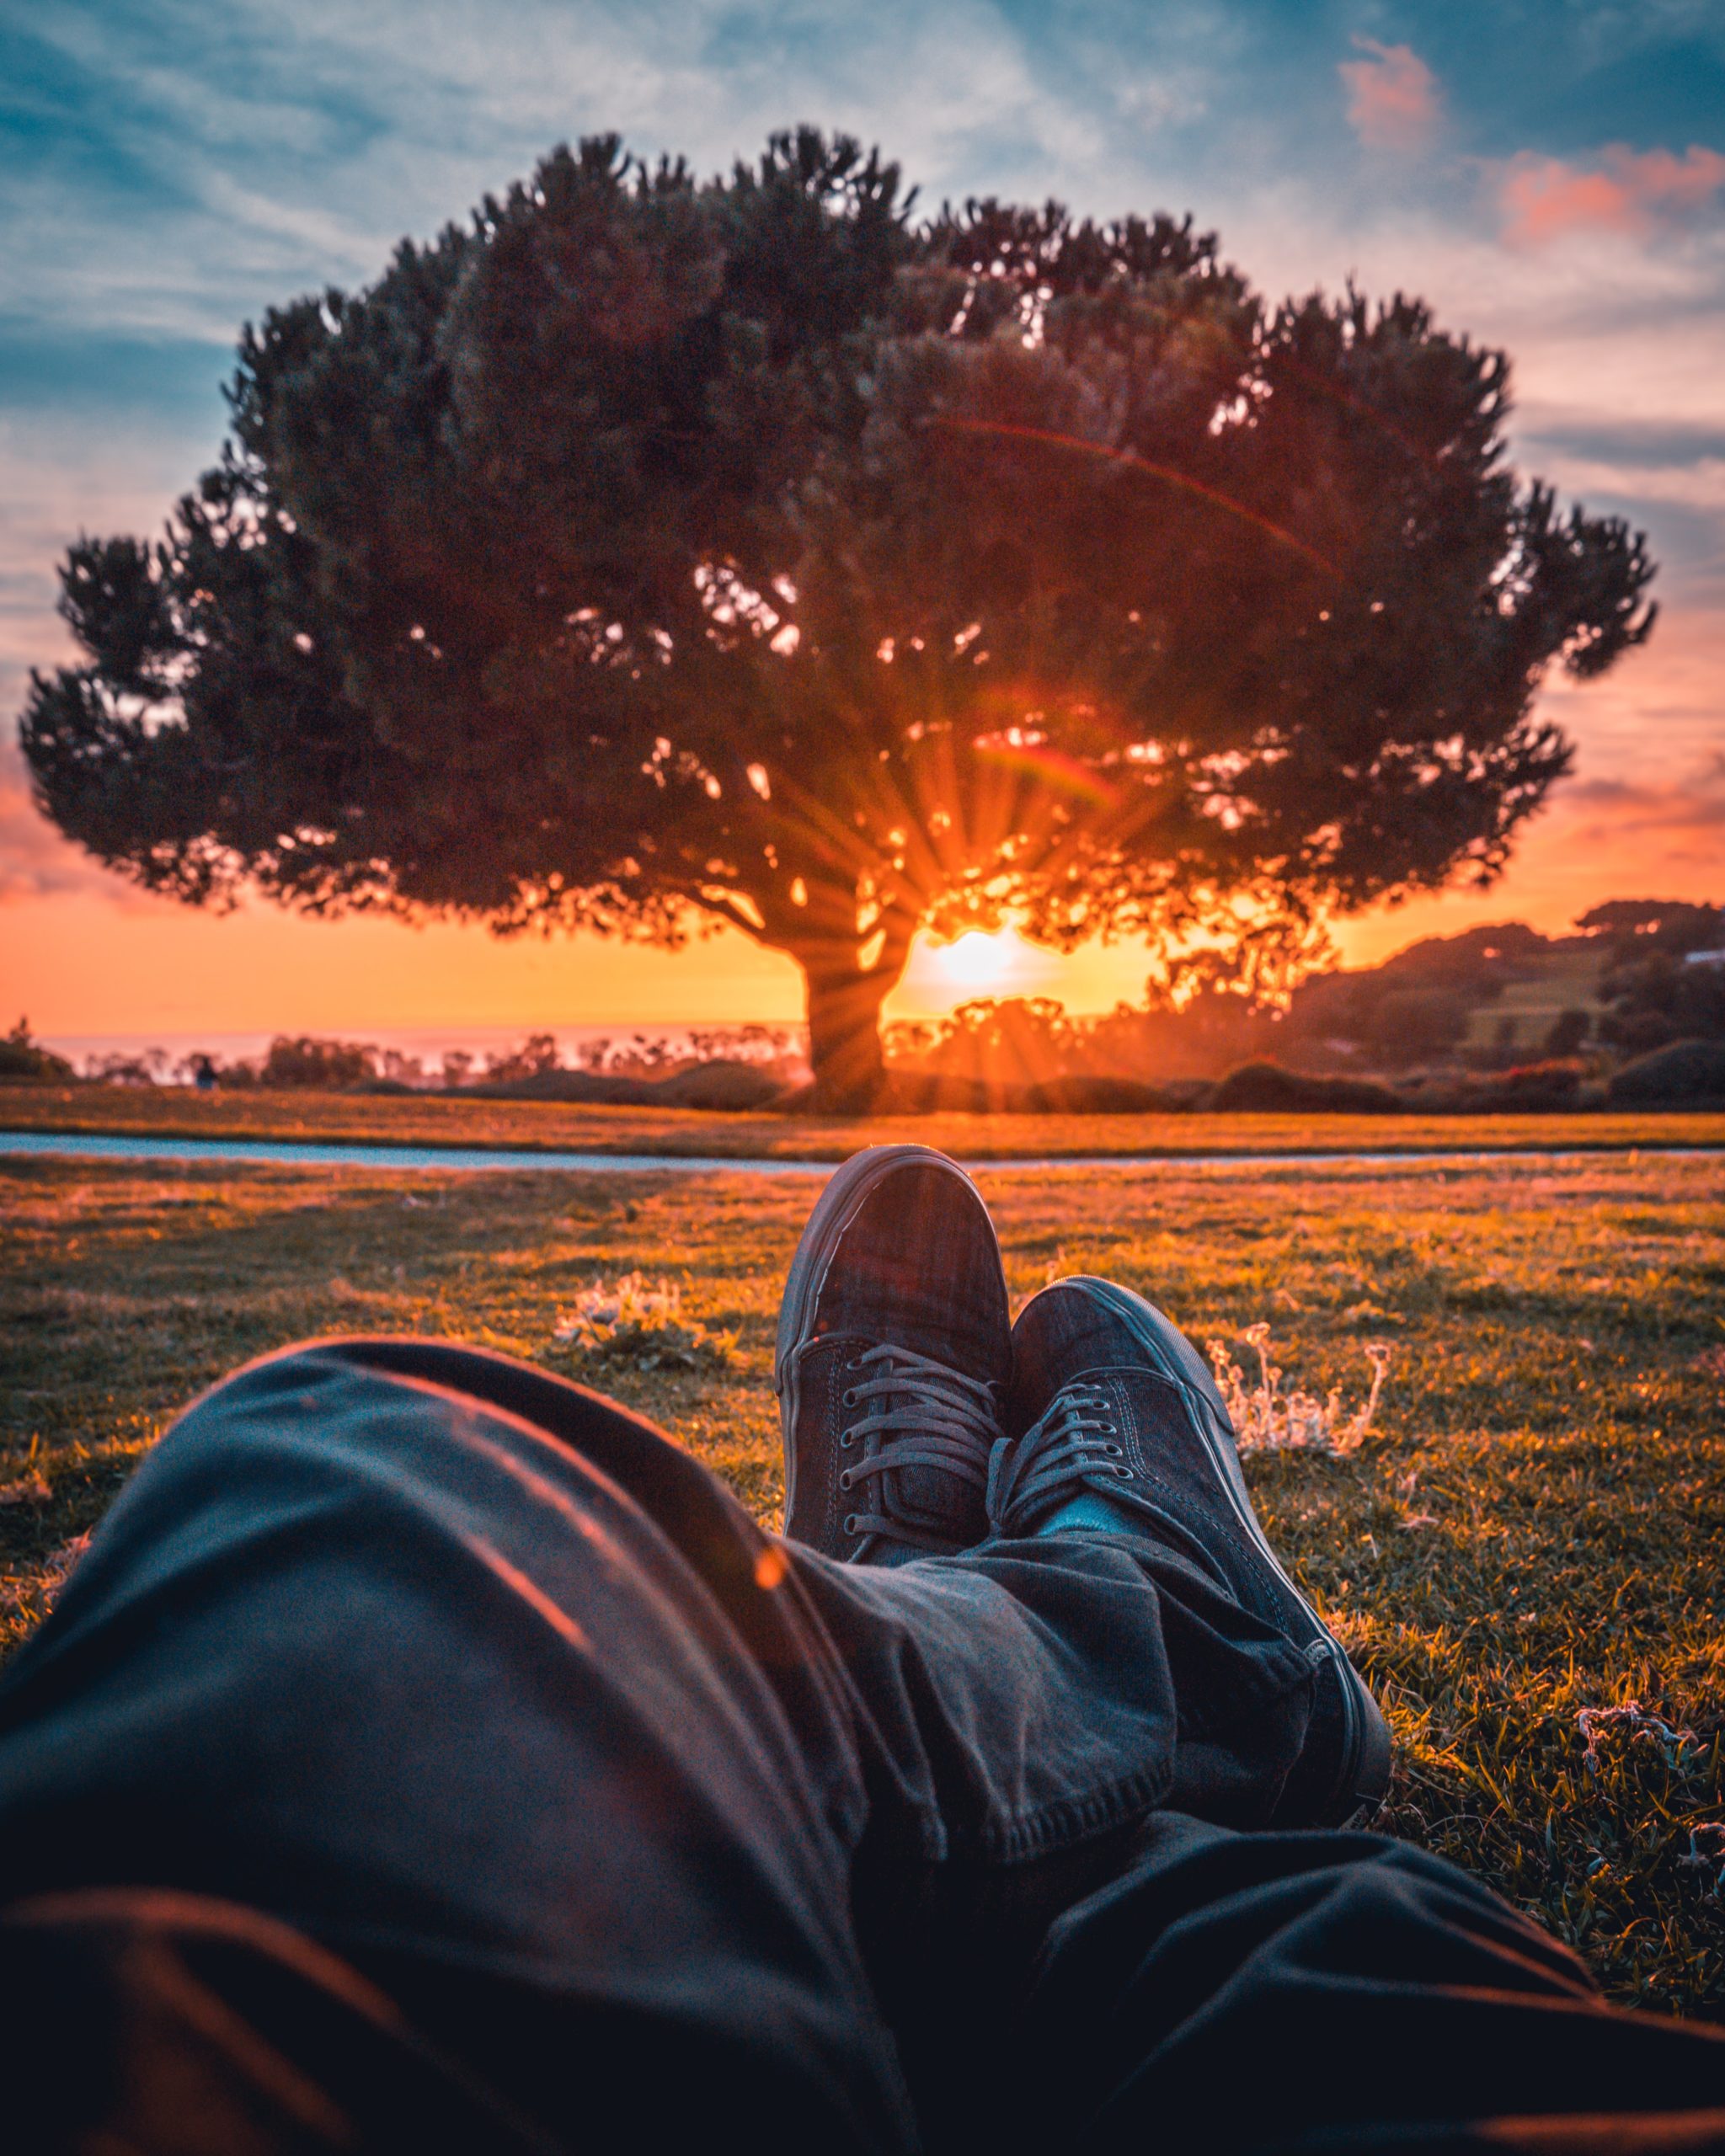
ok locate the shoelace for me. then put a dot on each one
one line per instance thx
(1072, 1447)
(922, 1414)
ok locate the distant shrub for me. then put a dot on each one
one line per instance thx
(147, 1067)
(22, 1058)
(1097, 1095)
(719, 1067)
(1410, 1025)
(1660, 1000)
(1267, 1089)
(1688, 1074)
(536, 1055)
(307, 1064)
(731, 1086)
(1531, 1089)
(1569, 1030)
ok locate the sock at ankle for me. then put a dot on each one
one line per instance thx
(1089, 1510)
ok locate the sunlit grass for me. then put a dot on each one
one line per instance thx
(1535, 1525)
(437, 1120)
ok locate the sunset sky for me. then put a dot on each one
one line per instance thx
(1551, 175)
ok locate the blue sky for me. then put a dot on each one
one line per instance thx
(1551, 175)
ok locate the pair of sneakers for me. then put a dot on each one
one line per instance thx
(918, 1420)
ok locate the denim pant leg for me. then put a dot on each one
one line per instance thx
(471, 1678)
(476, 1678)
(1328, 1994)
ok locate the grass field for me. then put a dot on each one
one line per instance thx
(435, 1120)
(1536, 1526)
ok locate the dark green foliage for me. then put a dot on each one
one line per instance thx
(312, 1065)
(1267, 1089)
(1546, 1088)
(1569, 1031)
(22, 1057)
(1688, 1074)
(1662, 1000)
(652, 553)
(1651, 996)
(1416, 1006)
(1671, 927)
(536, 1057)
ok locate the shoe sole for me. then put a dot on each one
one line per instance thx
(848, 1190)
(1366, 1775)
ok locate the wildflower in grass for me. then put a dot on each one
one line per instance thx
(1632, 1721)
(634, 1320)
(1266, 1419)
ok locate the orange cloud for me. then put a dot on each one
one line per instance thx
(1392, 97)
(1627, 192)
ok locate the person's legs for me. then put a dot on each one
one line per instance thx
(477, 1681)
(1216, 1990)
(480, 1682)
(1044, 1691)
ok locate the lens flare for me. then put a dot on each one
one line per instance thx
(975, 961)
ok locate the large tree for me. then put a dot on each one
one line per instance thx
(651, 553)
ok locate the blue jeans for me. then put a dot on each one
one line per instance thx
(430, 1753)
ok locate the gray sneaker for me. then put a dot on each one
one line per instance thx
(1115, 1404)
(894, 1350)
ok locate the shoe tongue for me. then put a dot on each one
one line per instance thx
(919, 1494)
(925, 1497)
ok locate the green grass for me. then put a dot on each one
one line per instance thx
(437, 1119)
(1536, 1526)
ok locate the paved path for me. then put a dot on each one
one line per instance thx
(294, 1153)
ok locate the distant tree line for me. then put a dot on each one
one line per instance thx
(310, 1063)
(1418, 1010)
(1642, 975)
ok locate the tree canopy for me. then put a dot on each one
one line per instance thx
(650, 552)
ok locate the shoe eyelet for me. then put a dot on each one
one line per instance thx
(847, 1399)
(849, 1523)
(845, 1479)
(1124, 1474)
(845, 1439)
(1115, 1452)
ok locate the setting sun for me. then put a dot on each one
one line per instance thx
(940, 976)
(975, 962)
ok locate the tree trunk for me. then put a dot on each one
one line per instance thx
(844, 1036)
